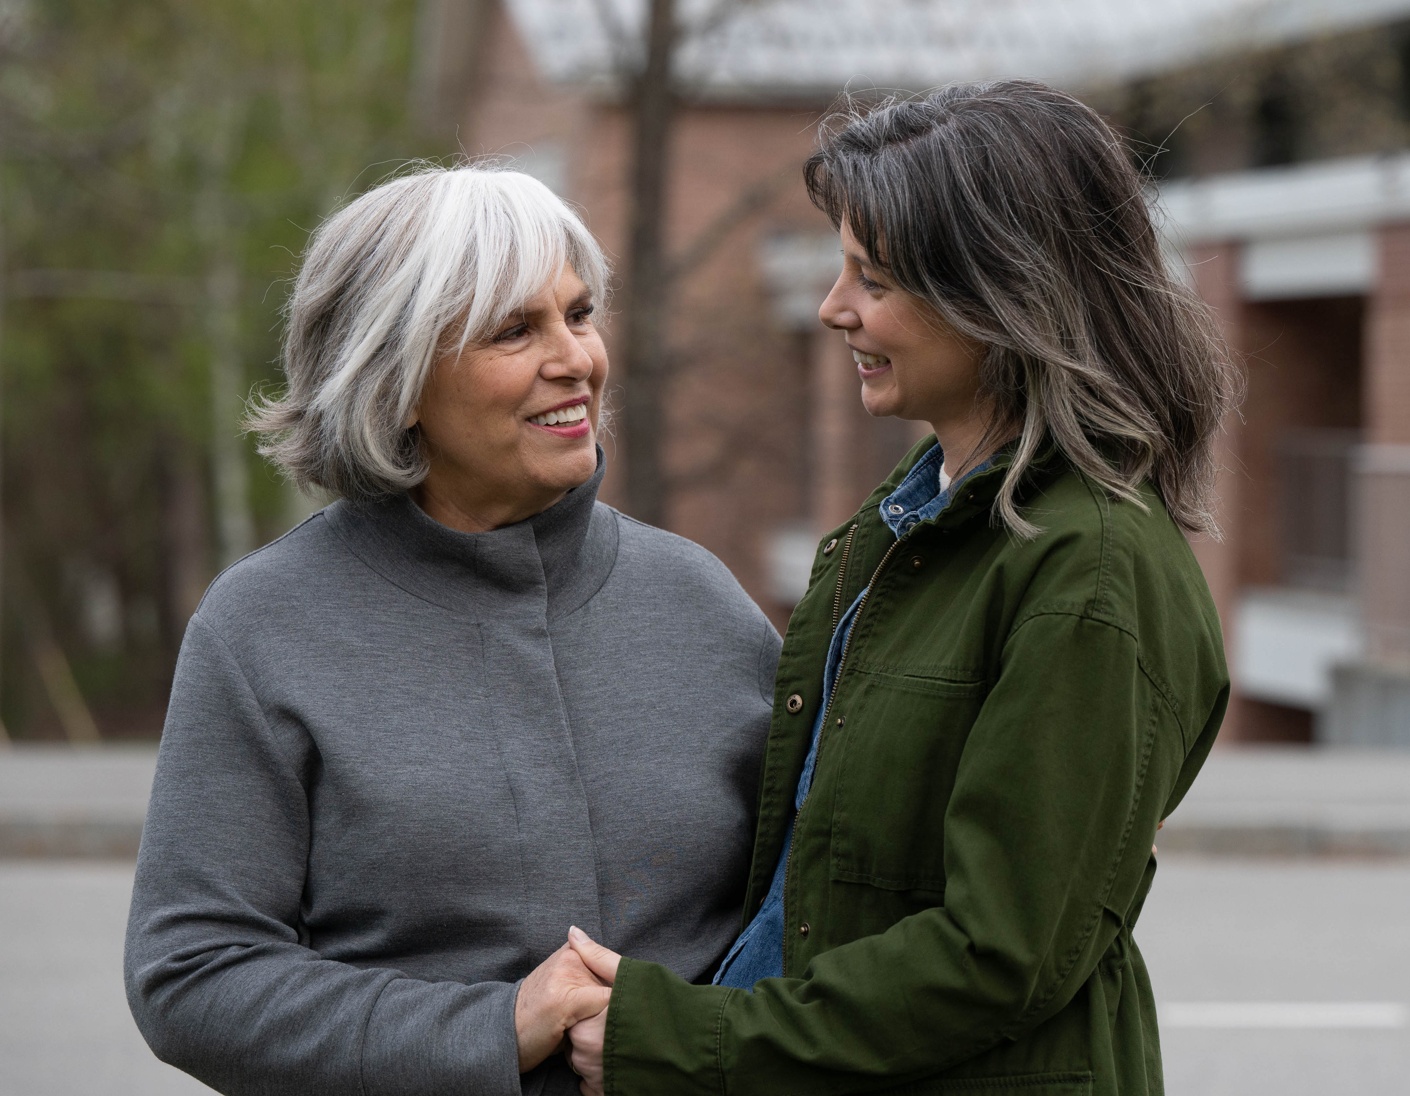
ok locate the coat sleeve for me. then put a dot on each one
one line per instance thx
(217, 978)
(1048, 834)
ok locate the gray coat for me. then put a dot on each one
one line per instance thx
(399, 762)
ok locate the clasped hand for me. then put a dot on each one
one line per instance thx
(564, 1000)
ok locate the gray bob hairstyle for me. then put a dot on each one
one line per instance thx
(428, 262)
(1015, 212)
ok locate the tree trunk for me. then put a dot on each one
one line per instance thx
(4, 734)
(185, 540)
(235, 527)
(643, 310)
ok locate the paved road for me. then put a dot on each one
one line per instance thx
(64, 1025)
(1246, 933)
(1291, 931)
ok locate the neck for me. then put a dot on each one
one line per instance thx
(967, 443)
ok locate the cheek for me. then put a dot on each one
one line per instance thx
(598, 352)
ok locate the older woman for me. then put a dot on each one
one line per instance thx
(463, 707)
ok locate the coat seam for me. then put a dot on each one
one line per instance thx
(1103, 504)
(1157, 680)
(1166, 694)
(1081, 943)
(766, 690)
(720, 1039)
(607, 574)
(316, 516)
(254, 699)
(388, 579)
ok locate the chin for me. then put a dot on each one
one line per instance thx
(577, 467)
(878, 406)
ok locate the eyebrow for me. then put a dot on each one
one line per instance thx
(862, 260)
(583, 298)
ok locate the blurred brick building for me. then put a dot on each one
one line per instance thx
(1308, 266)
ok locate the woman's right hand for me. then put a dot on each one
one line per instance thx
(557, 994)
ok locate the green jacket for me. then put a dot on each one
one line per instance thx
(1010, 722)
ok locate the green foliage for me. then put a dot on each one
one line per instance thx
(148, 151)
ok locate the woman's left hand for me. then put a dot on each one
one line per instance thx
(587, 1035)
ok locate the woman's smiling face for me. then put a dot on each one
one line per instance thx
(911, 364)
(509, 426)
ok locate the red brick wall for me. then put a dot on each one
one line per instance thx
(1215, 269)
(1303, 360)
(1385, 529)
(754, 403)
(1387, 408)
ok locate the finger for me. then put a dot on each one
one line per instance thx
(601, 961)
(1160, 825)
(580, 1062)
(587, 1002)
(575, 970)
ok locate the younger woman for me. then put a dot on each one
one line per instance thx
(1007, 669)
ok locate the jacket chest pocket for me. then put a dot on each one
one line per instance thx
(903, 738)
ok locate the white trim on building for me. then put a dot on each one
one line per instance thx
(1307, 231)
(788, 47)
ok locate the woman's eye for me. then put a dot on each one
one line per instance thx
(867, 284)
(582, 315)
(509, 334)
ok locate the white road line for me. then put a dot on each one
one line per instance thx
(1284, 1014)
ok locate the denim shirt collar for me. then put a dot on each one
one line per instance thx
(919, 496)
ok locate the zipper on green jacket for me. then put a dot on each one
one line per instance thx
(822, 731)
(841, 576)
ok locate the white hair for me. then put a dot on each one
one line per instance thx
(429, 261)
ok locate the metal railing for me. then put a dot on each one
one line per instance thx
(1317, 483)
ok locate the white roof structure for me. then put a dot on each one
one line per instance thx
(741, 48)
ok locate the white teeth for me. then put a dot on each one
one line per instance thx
(562, 417)
(871, 361)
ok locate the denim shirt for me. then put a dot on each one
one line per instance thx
(758, 953)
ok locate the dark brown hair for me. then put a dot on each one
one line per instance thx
(1014, 211)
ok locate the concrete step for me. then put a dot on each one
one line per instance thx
(58, 801)
(1296, 801)
(1269, 801)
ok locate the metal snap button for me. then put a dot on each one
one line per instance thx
(794, 704)
(804, 929)
(917, 562)
(896, 508)
(841, 719)
(830, 547)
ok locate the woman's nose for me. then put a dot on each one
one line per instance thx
(835, 312)
(568, 358)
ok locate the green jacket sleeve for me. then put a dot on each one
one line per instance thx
(1048, 833)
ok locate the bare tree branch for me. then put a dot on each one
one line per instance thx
(626, 58)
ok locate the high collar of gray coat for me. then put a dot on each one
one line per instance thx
(547, 565)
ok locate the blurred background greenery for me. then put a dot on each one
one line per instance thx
(161, 165)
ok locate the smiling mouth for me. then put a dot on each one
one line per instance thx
(870, 361)
(564, 416)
